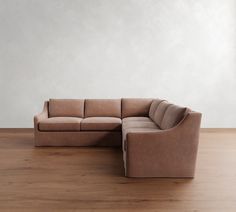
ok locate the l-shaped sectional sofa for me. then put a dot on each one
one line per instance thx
(158, 139)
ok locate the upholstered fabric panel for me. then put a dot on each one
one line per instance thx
(103, 108)
(136, 130)
(141, 129)
(60, 124)
(66, 107)
(173, 115)
(169, 153)
(41, 116)
(101, 123)
(135, 125)
(135, 107)
(160, 111)
(153, 107)
(138, 124)
(80, 138)
(127, 119)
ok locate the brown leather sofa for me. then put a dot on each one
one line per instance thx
(159, 139)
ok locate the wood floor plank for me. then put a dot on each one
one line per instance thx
(92, 179)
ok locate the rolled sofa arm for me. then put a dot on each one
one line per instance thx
(166, 153)
(41, 116)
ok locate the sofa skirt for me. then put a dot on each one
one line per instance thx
(81, 138)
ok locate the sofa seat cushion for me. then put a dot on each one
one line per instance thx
(141, 118)
(139, 124)
(60, 124)
(101, 124)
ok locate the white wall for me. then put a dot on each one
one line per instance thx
(181, 50)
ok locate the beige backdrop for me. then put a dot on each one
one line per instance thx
(181, 50)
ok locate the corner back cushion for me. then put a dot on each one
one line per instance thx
(135, 107)
(66, 108)
(173, 115)
(160, 111)
(103, 108)
(153, 107)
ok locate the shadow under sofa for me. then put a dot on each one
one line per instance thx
(158, 138)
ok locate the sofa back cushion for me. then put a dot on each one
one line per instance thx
(103, 108)
(66, 108)
(173, 115)
(135, 107)
(160, 111)
(153, 107)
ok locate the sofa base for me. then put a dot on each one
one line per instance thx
(89, 138)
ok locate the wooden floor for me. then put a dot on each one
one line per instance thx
(92, 179)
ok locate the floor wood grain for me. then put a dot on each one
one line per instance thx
(91, 179)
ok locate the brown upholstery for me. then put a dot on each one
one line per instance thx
(136, 130)
(80, 138)
(153, 107)
(101, 123)
(159, 139)
(66, 107)
(60, 124)
(41, 116)
(173, 115)
(165, 153)
(136, 124)
(139, 124)
(103, 107)
(127, 119)
(135, 107)
(160, 111)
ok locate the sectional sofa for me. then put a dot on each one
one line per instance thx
(158, 138)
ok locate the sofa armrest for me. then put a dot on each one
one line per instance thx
(166, 153)
(41, 116)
